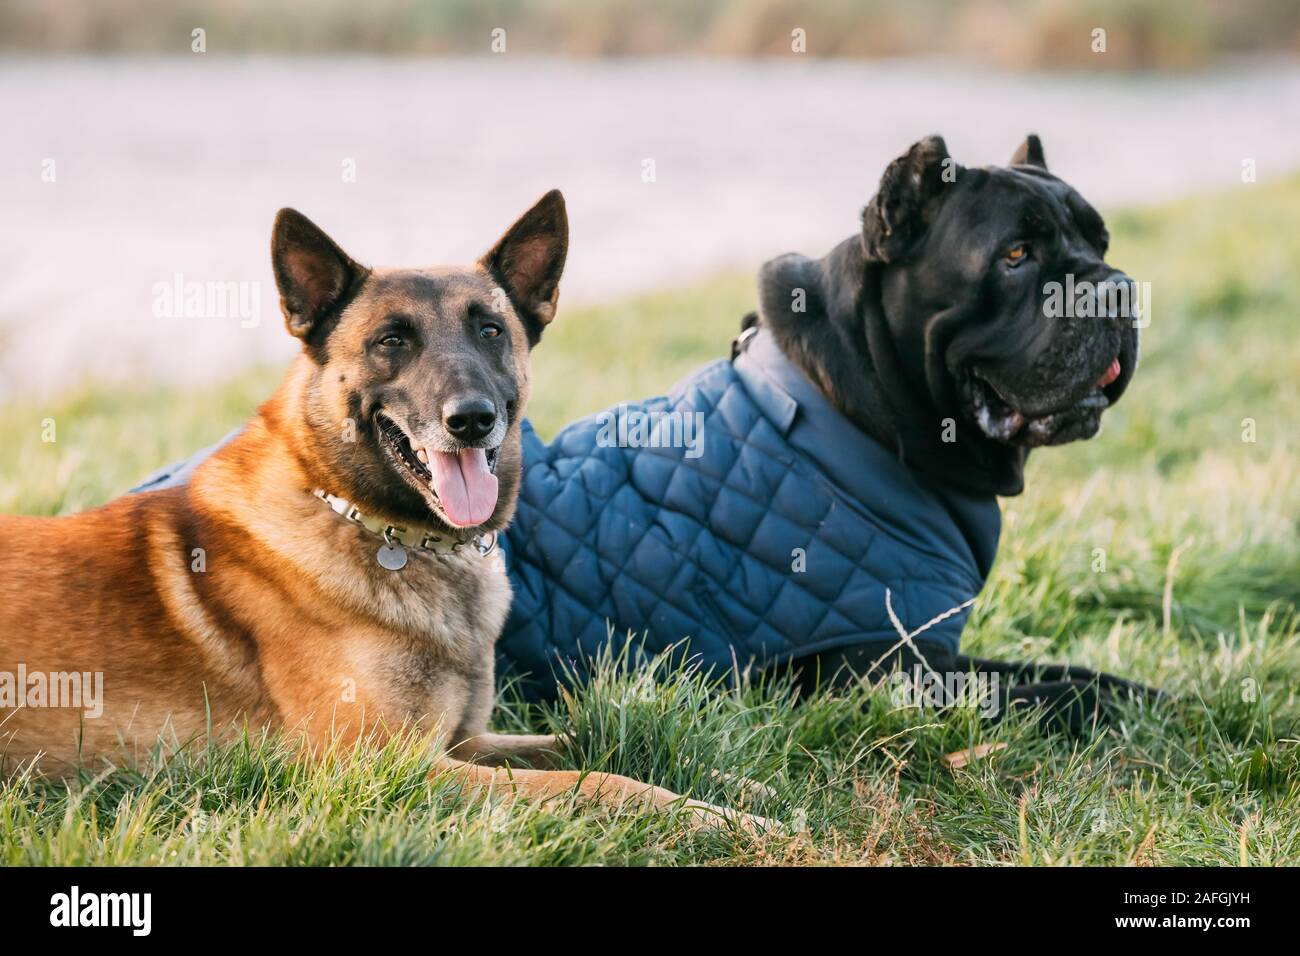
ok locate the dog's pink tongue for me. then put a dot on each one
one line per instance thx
(1110, 374)
(465, 486)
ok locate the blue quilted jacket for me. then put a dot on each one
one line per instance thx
(770, 533)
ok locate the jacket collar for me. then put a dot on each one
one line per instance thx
(899, 498)
(787, 397)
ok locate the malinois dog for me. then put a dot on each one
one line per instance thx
(329, 572)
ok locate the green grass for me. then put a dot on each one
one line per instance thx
(1199, 596)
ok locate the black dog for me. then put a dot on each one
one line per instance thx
(932, 332)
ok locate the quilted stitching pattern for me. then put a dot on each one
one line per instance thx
(672, 547)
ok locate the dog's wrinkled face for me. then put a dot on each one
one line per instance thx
(418, 377)
(999, 294)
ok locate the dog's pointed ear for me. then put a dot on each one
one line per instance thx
(312, 273)
(528, 260)
(1030, 153)
(910, 192)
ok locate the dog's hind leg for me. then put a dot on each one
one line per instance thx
(1023, 672)
(536, 750)
(608, 789)
(1071, 698)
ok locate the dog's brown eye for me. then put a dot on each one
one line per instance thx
(391, 341)
(1017, 254)
(489, 331)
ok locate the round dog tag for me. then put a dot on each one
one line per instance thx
(392, 557)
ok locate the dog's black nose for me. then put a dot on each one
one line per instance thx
(469, 419)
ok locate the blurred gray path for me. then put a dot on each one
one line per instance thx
(176, 166)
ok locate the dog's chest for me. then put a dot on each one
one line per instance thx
(425, 651)
(444, 614)
(452, 604)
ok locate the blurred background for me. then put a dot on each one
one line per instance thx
(150, 144)
(1016, 34)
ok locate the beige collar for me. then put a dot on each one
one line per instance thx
(421, 539)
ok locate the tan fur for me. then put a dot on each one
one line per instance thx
(291, 623)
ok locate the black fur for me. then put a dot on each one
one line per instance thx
(909, 325)
(930, 333)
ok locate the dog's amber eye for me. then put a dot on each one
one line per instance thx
(489, 331)
(1017, 254)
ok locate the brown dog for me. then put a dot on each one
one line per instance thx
(329, 572)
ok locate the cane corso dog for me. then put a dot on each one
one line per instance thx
(932, 331)
(330, 571)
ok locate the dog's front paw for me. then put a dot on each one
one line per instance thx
(709, 815)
